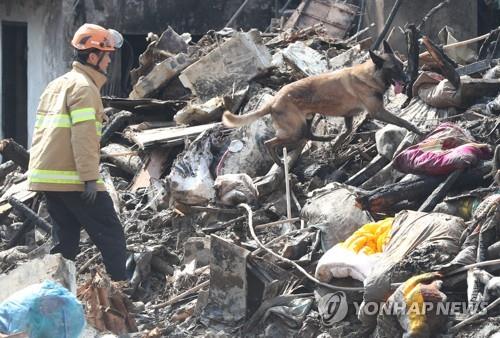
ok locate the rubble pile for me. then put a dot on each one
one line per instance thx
(223, 241)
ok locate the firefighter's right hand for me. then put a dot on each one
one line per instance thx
(90, 192)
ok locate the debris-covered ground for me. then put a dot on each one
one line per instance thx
(224, 242)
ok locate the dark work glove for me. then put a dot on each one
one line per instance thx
(90, 192)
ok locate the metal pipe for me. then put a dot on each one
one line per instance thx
(237, 13)
(361, 16)
(470, 266)
(287, 185)
(387, 24)
(284, 7)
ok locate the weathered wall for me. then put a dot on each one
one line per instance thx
(460, 15)
(194, 16)
(44, 24)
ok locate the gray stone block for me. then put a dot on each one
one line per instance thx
(50, 267)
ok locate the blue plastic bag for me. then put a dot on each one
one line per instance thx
(46, 310)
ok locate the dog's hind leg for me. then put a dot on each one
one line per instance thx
(308, 134)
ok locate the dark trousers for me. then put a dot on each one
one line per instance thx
(70, 213)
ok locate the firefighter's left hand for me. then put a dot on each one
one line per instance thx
(90, 192)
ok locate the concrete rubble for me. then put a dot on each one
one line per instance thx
(49, 267)
(227, 67)
(224, 242)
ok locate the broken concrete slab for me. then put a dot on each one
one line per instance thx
(348, 58)
(159, 48)
(227, 300)
(50, 267)
(193, 113)
(228, 67)
(197, 249)
(160, 75)
(172, 42)
(305, 59)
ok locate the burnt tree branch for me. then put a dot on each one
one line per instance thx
(13, 151)
(30, 214)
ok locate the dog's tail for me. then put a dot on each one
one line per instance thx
(232, 121)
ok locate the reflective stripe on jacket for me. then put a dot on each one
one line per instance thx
(66, 141)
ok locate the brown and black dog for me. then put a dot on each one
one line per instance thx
(342, 93)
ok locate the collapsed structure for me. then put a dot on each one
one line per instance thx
(223, 241)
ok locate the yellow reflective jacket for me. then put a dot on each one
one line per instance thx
(66, 141)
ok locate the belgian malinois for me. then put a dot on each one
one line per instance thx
(342, 93)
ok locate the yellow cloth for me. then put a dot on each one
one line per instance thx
(370, 238)
(416, 291)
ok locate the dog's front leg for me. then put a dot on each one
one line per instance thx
(386, 116)
(344, 132)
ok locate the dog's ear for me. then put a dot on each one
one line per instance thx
(387, 48)
(377, 60)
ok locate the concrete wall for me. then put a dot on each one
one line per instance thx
(143, 16)
(460, 15)
(44, 49)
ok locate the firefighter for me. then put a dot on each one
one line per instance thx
(64, 156)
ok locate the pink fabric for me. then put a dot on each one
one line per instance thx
(445, 150)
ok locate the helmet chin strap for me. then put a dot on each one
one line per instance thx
(85, 61)
(97, 67)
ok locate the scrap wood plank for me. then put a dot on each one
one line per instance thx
(19, 191)
(130, 104)
(170, 135)
(153, 167)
